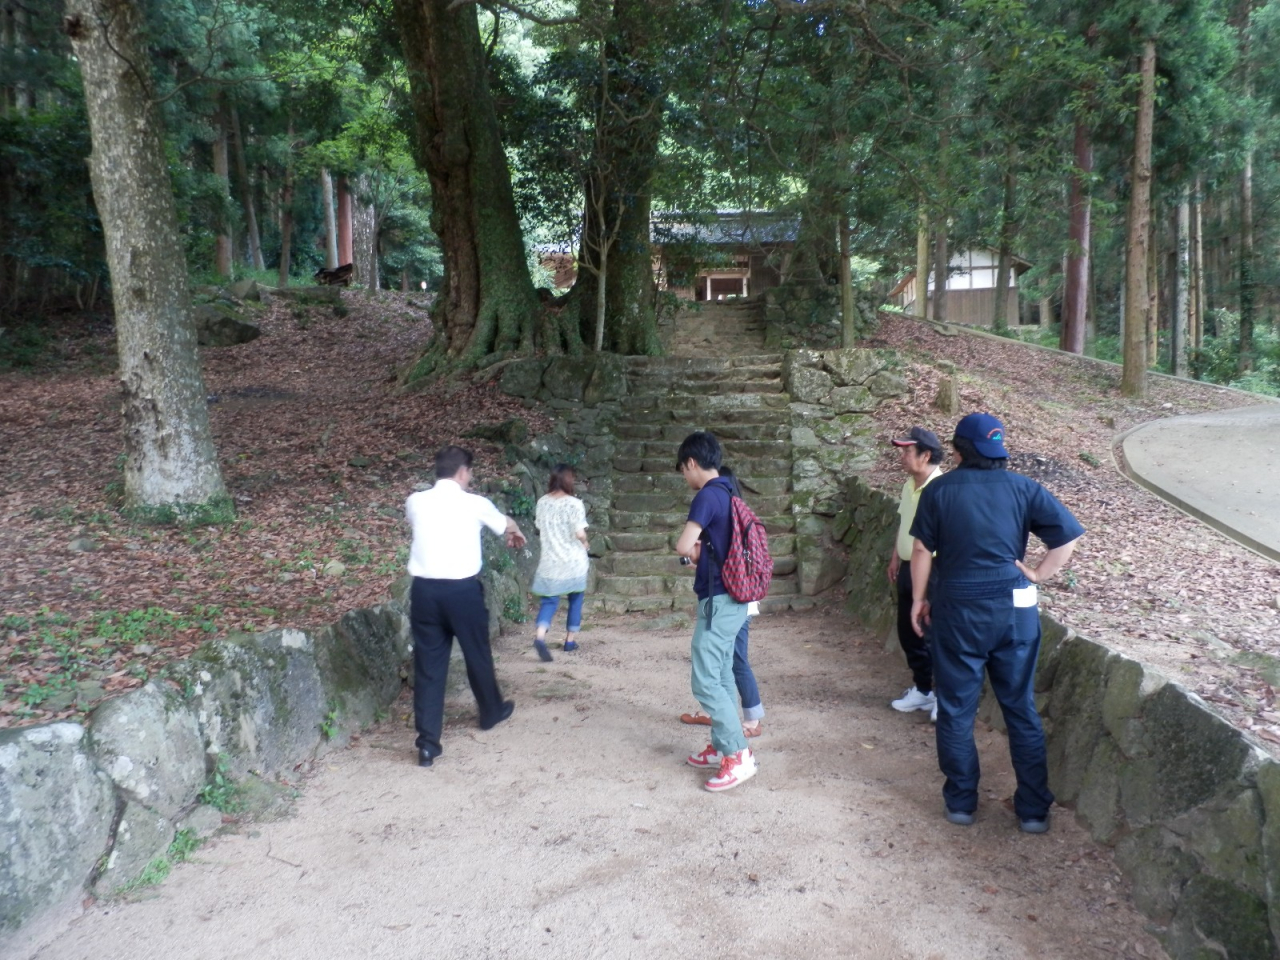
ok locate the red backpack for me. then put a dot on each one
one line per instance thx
(747, 569)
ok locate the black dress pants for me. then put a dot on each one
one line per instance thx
(916, 648)
(439, 611)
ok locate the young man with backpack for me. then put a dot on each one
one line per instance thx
(708, 539)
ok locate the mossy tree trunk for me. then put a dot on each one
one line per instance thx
(170, 464)
(629, 117)
(486, 304)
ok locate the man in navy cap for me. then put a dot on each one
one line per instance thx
(920, 454)
(970, 532)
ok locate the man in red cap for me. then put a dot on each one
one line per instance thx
(920, 454)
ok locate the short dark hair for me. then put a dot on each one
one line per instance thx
(562, 477)
(702, 448)
(450, 460)
(935, 456)
(971, 458)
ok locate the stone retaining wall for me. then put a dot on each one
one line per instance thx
(801, 315)
(1189, 803)
(93, 805)
(833, 395)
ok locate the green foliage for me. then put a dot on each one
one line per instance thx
(216, 512)
(329, 724)
(185, 843)
(23, 347)
(1090, 459)
(514, 609)
(520, 504)
(222, 792)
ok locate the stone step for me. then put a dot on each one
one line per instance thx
(718, 374)
(672, 419)
(674, 483)
(779, 430)
(734, 450)
(645, 586)
(780, 545)
(670, 502)
(612, 604)
(629, 521)
(754, 467)
(640, 364)
(667, 564)
(677, 586)
(640, 405)
(701, 387)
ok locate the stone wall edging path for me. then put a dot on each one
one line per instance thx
(92, 806)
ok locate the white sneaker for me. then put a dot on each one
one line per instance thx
(734, 768)
(710, 757)
(933, 714)
(913, 699)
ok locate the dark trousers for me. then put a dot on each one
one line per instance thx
(973, 637)
(915, 647)
(439, 611)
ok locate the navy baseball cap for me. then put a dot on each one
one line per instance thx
(919, 437)
(986, 433)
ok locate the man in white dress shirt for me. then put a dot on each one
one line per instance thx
(447, 598)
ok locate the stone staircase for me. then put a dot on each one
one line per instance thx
(718, 329)
(739, 397)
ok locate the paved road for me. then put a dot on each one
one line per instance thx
(1223, 468)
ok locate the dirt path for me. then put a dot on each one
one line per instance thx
(574, 830)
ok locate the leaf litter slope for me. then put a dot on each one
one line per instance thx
(1146, 579)
(318, 450)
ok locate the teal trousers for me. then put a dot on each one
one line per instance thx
(712, 675)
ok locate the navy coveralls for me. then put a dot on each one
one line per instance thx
(976, 522)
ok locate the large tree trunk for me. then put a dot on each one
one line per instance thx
(624, 157)
(848, 316)
(1008, 230)
(1248, 285)
(1197, 266)
(286, 227)
(1248, 288)
(170, 461)
(246, 194)
(330, 220)
(1180, 328)
(346, 245)
(1075, 300)
(223, 254)
(1133, 380)
(486, 302)
(941, 263)
(941, 256)
(286, 217)
(921, 305)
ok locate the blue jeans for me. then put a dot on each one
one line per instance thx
(547, 610)
(973, 636)
(752, 708)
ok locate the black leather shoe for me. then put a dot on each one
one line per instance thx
(508, 708)
(426, 758)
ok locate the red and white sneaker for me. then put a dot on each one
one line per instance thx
(734, 768)
(709, 757)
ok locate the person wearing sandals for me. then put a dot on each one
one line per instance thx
(561, 520)
(744, 677)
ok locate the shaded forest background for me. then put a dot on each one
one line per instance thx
(431, 142)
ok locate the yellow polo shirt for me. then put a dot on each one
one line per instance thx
(907, 504)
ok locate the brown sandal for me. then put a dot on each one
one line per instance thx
(753, 731)
(698, 718)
